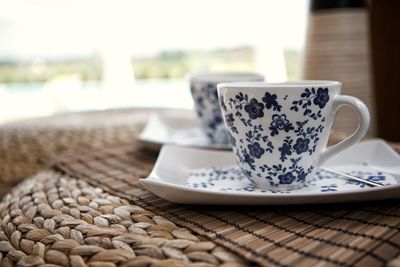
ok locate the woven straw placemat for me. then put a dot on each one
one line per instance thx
(363, 234)
(52, 219)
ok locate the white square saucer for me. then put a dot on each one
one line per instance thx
(181, 129)
(199, 176)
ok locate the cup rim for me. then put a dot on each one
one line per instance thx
(221, 77)
(287, 84)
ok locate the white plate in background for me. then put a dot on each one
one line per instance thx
(177, 129)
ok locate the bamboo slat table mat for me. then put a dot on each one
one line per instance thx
(363, 234)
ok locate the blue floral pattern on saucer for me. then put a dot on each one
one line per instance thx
(234, 180)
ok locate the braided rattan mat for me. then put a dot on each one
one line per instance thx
(52, 219)
(365, 234)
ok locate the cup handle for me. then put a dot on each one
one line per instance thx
(364, 119)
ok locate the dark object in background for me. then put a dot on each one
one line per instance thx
(316, 5)
(385, 41)
(337, 48)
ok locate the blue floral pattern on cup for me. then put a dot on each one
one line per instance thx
(306, 140)
(318, 97)
(279, 123)
(207, 108)
(254, 145)
(276, 124)
(205, 95)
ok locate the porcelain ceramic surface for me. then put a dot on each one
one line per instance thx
(177, 129)
(204, 92)
(195, 176)
(233, 179)
(279, 132)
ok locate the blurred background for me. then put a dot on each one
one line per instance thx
(62, 55)
(59, 56)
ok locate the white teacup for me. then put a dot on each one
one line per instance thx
(204, 92)
(280, 131)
